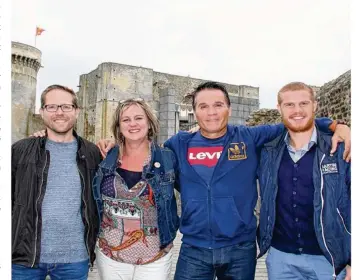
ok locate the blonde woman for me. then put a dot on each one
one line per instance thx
(134, 191)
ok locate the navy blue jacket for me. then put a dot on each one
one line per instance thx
(161, 178)
(331, 180)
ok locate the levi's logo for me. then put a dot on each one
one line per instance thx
(207, 156)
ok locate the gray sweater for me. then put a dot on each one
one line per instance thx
(62, 235)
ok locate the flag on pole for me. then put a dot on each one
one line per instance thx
(39, 30)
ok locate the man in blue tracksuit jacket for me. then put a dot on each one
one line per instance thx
(217, 177)
(305, 197)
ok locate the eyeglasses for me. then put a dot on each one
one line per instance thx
(131, 99)
(54, 107)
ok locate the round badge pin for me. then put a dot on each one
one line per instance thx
(157, 164)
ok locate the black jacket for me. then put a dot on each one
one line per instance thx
(29, 169)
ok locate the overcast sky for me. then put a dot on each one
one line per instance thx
(264, 43)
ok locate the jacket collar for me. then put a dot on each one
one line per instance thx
(110, 162)
(313, 140)
(323, 141)
(185, 136)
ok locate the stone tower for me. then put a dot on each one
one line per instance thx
(25, 64)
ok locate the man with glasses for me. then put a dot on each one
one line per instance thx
(54, 215)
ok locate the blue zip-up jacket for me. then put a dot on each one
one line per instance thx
(331, 179)
(160, 174)
(221, 213)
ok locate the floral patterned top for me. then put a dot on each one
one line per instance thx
(129, 228)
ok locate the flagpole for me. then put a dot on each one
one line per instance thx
(38, 32)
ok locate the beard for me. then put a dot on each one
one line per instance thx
(59, 129)
(303, 128)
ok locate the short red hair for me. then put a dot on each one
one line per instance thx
(293, 86)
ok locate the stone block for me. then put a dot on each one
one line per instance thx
(163, 100)
(236, 120)
(171, 91)
(234, 106)
(171, 107)
(155, 105)
(246, 115)
(171, 131)
(233, 99)
(167, 99)
(161, 139)
(167, 123)
(235, 113)
(252, 108)
(166, 92)
(241, 121)
(167, 115)
(255, 102)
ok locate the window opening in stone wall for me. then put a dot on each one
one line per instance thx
(190, 118)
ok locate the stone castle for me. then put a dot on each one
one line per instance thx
(101, 90)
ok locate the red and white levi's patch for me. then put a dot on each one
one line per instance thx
(207, 156)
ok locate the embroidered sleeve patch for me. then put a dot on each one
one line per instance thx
(237, 151)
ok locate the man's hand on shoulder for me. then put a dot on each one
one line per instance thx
(348, 275)
(40, 133)
(105, 145)
(194, 129)
(342, 133)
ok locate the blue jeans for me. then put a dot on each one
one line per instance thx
(237, 262)
(73, 271)
(286, 266)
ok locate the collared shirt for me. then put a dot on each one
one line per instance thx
(294, 231)
(298, 154)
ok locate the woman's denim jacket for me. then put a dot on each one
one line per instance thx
(160, 174)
